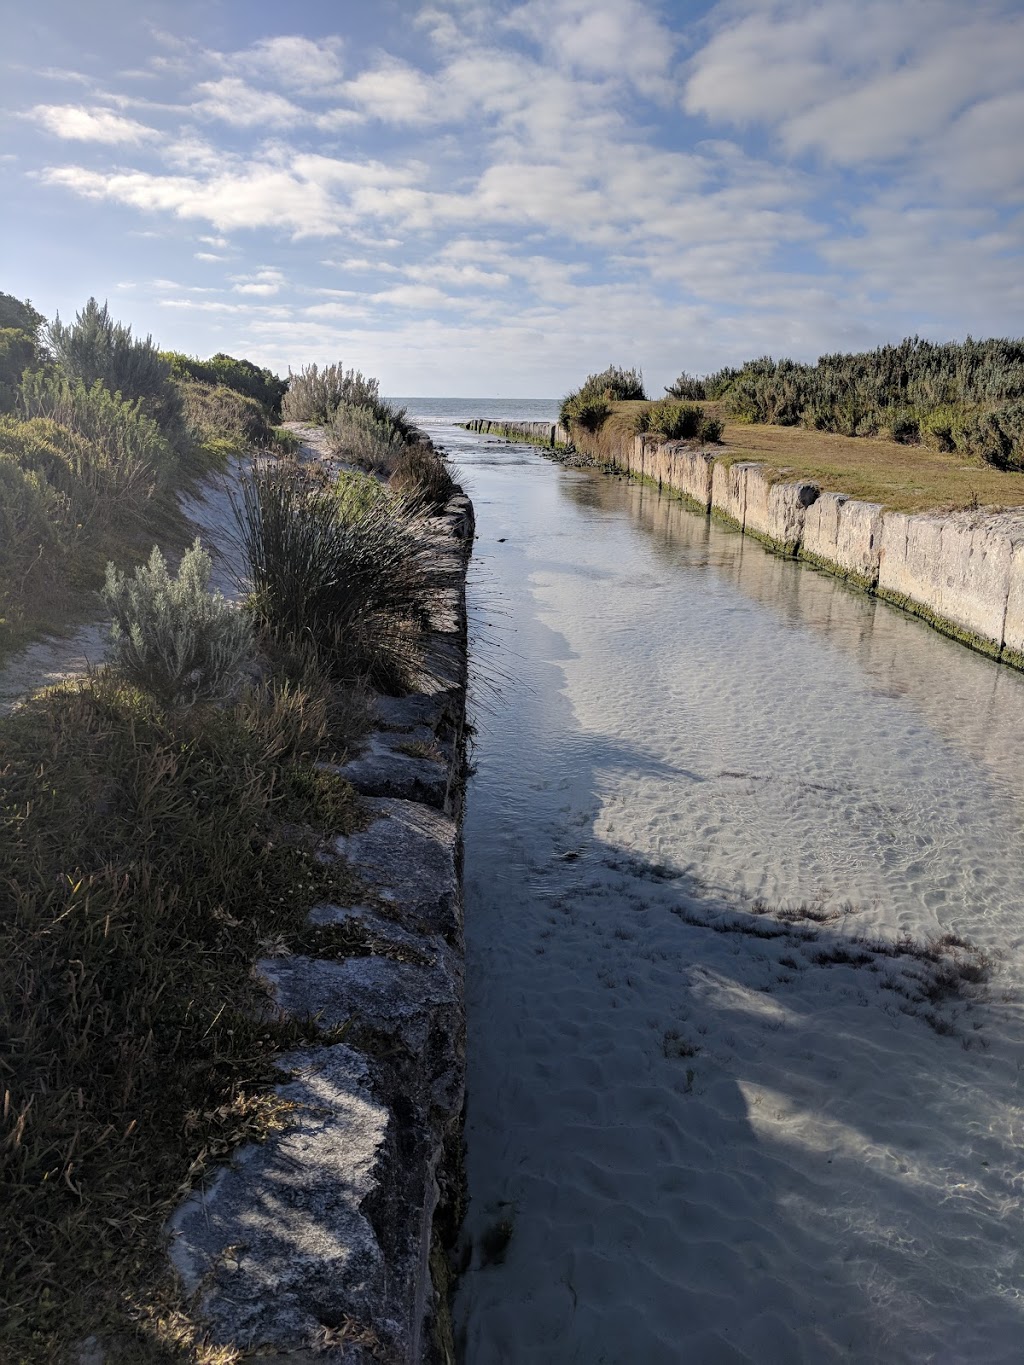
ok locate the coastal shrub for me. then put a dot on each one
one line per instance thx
(352, 587)
(615, 384)
(171, 636)
(221, 417)
(957, 397)
(688, 386)
(373, 438)
(589, 405)
(422, 477)
(315, 394)
(678, 422)
(590, 413)
(123, 450)
(698, 388)
(96, 349)
(224, 371)
(19, 346)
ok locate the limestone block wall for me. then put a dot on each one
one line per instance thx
(344, 1217)
(536, 433)
(844, 536)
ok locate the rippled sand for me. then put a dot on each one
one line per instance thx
(711, 1125)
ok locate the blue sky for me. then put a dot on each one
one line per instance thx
(481, 198)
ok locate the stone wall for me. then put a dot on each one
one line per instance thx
(963, 572)
(533, 433)
(329, 1240)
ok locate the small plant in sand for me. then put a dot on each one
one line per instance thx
(171, 636)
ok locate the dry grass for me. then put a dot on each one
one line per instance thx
(147, 857)
(902, 477)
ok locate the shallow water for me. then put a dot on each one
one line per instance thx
(709, 1145)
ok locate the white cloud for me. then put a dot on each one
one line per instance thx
(232, 101)
(396, 92)
(208, 256)
(295, 62)
(855, 80)
(264, 282)
(79, 124)
(305, 195)
(618, 39)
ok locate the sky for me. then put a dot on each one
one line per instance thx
(498, 197)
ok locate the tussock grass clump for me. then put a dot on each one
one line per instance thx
(355, 587)
(423, 478)
(146, 858)
(373, 438)
(171, 636)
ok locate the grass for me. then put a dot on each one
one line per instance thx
(904, 478)
(147, 858)
(351, 578)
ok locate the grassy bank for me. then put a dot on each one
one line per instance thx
(161, 826)
(905, 478)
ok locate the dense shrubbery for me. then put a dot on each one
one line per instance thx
(966, 397)
(95, 348)
(173, 637)
(19, 346)
(588, 406)
(678, 422)
(698, 388)
(224, 371)
(315, 394)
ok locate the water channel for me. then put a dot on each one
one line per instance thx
(704, 1125)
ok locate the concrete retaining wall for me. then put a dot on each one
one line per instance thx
(963, 572)
(534, 433)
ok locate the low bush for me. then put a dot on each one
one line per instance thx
(579, 411)
(354, 588)
(124, 451)
(584, 406)
(678, 422)
(356, 493)
(171, 636)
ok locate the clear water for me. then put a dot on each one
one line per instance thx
(707, 1146)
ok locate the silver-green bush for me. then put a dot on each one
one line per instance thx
(173, 637)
